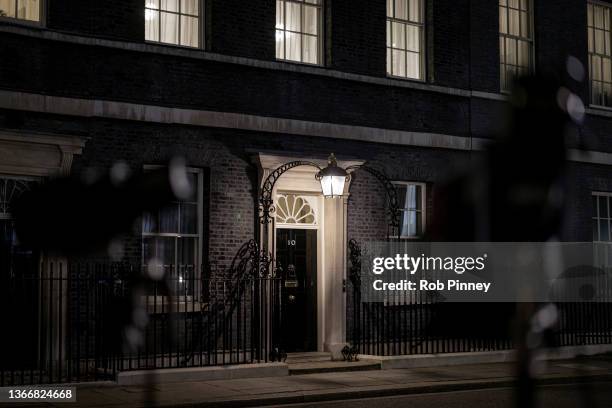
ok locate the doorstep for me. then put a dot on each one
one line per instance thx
(228, 372)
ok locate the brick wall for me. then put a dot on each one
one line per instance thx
(116, 19)
(242, 28)
(357, 36)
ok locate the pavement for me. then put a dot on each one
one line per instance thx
(320, 387)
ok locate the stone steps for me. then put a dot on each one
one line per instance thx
(309, 357)
(318, 362)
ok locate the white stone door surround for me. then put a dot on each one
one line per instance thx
(331, 240)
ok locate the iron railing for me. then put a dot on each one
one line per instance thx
(420, 324)
(80, 322)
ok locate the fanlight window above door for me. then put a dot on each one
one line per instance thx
(294, 209)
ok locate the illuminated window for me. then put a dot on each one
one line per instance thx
(405, 38)
(411, 202)
(298, 30)
(515, 40)
(172, 236)
(27, 10)
(175, 22)
(600, 54)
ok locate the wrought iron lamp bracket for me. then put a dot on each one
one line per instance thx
(392, 201)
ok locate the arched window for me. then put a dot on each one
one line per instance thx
(295, 209)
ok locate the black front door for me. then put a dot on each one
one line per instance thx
(296, 251)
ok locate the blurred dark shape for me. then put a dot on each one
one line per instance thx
(76, 215)
(514, 193)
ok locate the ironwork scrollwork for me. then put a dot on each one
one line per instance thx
(251, 262)
(392, 201)
(266, 202)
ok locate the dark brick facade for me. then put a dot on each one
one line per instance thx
(462, 53)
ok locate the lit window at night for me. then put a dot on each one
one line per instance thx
(173, 22)
(411, 204)
(27, 10)
(298, 30)
(600, 54)
(172, 236)
(405, 38)
(515, 40)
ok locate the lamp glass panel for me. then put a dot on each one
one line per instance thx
(326, 186)
(338, 185)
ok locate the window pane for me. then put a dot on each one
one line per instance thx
(590, 14)
(151, 25)
(280, 23)
(596, 68)
(525, 26)
(595, 230)
(511, 51)
(389, 61)
(513, 22)
(603, 230)
(189, 31)
(415, 11)
(189, 218)
(170, 5)
(523, 54)
(293, 46)
(293, 18)
(503, 20)
(29, 10)
(168, 219)
(410, 224)
(389, 8)
(280, 44)
(401, 9)
(159, 248)
(7, 8)
(399, 63)
(598, 17)
(152, 4)
(599, 41)
(149, 223)
(413, 65)
(311, 25)
(311, 55)
(169, 28)
(603, 207)
(388, 33)
(595, 199)
(399, 36)
(186, 247)
(190, 7)
(413, 35)
(513, 3)
(607, 70)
